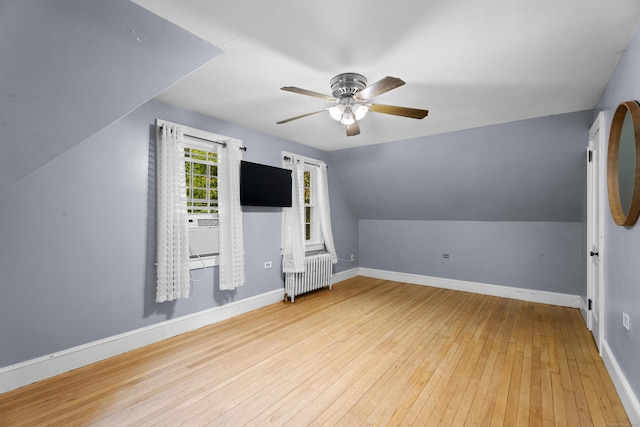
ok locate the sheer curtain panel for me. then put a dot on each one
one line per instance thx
(173, 274)
(293, 250)
(325, 212)
(230, 213)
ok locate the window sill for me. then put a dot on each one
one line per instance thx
(314, 248)
(204, 262)
(309, 248)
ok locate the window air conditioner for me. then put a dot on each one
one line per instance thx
(203, 235)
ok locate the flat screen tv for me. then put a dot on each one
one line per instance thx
(264, 185)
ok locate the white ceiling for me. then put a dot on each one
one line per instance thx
(470, 63)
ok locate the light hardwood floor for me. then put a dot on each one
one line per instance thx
(367, 352)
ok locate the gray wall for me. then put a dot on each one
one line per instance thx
(530, 170)
(78, 239)
(531, 255)
(621, 252)
(506, 202)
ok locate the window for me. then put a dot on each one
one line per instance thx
(201, 168)
(195, 170)
(201, 182)
(313, 234)
(201, 187)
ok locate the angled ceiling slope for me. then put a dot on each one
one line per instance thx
(72, 67)
(470, 64)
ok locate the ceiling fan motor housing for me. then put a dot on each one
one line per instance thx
(347, 84)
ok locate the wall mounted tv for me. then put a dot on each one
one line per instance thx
(263, 185)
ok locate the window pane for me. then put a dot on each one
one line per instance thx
(199, 193)
(308, 232)
(201, 180)
(307, 187)
(199, 154)
(307, 214)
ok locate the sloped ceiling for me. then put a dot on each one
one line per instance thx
(530, 170)
(71, 67)
(471, 64)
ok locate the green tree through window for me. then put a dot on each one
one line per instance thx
(201, 174)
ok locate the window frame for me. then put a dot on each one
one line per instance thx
(209, 141)
(191, 144)
(311, 165)
(211, 147)
(315, 241)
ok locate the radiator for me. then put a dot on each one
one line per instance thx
(317, 274)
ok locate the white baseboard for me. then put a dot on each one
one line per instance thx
(584, 309)
(30, 371)
(344, 275)
(627, 396)
(553, 298)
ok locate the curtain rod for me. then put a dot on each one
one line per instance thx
(288, 159)
(224, 144)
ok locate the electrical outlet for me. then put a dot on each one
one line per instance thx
(267, 264)
(352, 257)
(626, 322)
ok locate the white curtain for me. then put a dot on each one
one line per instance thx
(173, 280)
(324, 212)
(293, 251)
(230, 213)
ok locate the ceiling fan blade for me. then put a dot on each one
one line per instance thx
(379, 87)
(353, 129)
(300, 116)
(309, 93)
(413, 113)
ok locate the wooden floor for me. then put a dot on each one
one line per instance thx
(367, 352)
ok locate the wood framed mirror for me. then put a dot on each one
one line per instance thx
(623, 164)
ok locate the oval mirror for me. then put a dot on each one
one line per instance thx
(623, 164)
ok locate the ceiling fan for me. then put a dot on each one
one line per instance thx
(351, 96)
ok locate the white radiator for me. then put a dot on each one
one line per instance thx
(317, 274)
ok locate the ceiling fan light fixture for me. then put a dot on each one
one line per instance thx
(348, 118)
(347, 111)
(359, 110)
(336, 112)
